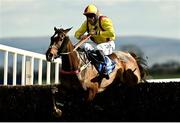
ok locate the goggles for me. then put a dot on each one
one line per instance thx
(90, 15)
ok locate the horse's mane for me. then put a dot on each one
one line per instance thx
(66, 42)
(67, 46)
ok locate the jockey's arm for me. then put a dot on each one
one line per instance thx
(107, 25)
(80, 32)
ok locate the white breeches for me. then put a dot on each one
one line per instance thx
(107, 47)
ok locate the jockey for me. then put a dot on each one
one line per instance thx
(102, 34)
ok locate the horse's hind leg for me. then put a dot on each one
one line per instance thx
(119, 76)
(93, 89)
(129, 77)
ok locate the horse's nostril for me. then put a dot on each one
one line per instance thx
(50, 55)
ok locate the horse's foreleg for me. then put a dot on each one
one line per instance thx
(56, 112)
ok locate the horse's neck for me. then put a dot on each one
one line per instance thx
(70, 62)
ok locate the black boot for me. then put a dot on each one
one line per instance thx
(101, 57)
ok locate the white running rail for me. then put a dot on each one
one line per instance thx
(41, 58)
(164, 80)
(33, 56)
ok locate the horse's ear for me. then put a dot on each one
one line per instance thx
(55, 29)
(67, 30)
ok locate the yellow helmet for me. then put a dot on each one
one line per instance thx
(91, 9)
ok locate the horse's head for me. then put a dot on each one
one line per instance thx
(58, 43)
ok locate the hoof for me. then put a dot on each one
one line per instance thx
(57, 113)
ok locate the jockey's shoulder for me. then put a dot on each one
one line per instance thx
(104, 18)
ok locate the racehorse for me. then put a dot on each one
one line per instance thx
(77, 72)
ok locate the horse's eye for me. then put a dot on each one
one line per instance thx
(62, 36)
(51, 42)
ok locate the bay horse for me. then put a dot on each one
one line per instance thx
(77, 72)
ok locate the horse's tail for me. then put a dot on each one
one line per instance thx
(142, 64)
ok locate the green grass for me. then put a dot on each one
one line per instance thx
(165, 76)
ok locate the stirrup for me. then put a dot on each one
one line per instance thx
(104, 73)
(106, 76)
(101, 76)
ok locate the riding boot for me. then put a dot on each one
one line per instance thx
(101, 56)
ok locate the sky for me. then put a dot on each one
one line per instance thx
(29, 18)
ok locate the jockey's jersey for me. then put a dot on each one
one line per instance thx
(103, 26)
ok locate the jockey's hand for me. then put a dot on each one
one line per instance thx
(93, 32)
(83, 37)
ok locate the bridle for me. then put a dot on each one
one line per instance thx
(56, 47)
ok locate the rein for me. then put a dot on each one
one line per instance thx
(76, 45)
